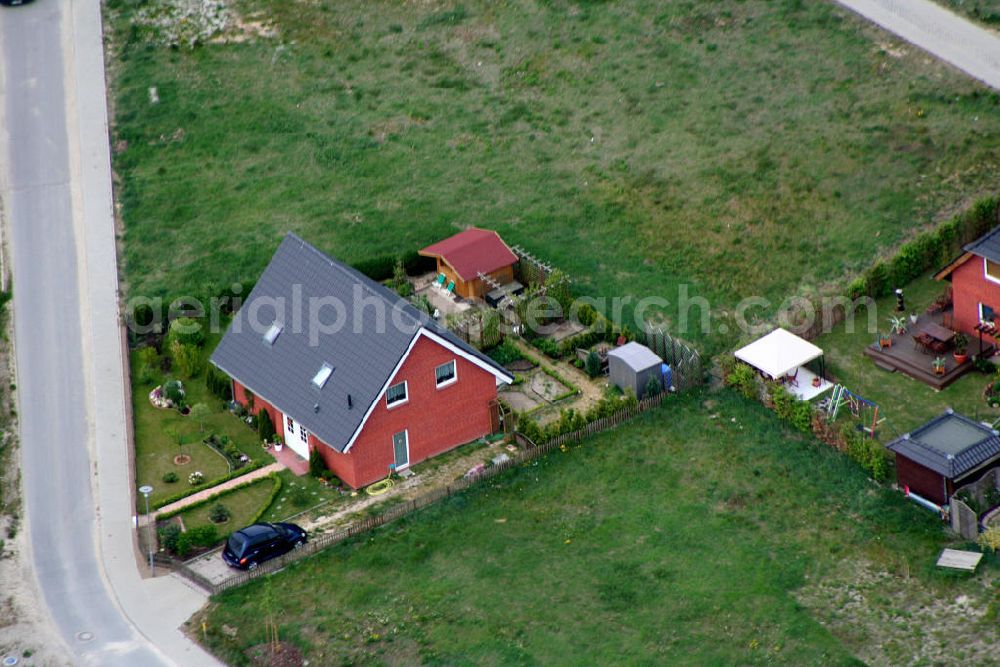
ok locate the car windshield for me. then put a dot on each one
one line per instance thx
(237, 542)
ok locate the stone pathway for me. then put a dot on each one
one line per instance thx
(219, 488)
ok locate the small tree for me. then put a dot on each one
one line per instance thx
(653, 386)
(176, 436)
(200, 411)
(317, 466)
(265, 427)
(593, 364)
(187, 357)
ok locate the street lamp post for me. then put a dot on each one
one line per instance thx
(145, 491)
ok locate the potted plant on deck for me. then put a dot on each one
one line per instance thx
(913, 317)
(938, 366)
(898, 325)
(961, 348)
(884, 339)
(278, 443)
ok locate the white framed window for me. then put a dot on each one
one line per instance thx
(991, 270)
(291, 424)
(396, 394)
(303, 433)
(445, 374)
(986, 314)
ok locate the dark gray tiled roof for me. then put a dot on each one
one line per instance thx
(926, 447)
(363, 352)
(987, 246)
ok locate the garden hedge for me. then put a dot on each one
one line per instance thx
(218, 496)
(253, 465)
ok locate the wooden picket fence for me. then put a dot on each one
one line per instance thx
(528, 452)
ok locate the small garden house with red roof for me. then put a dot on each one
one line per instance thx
(345, 367)
(944, 454)
(467, 256)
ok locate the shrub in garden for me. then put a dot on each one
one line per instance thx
(868, 453)
(187, 358)
(219, 513)
(183, 545)
(265, 427)
(149, 364)
(203, 536)
(653, 387)
(744, 380)
(186, 331)
(593, 364)
(530, 429)
(547, 346)
(219, 384)
(169, 477)
(505, 353)
(990, 539)
(169, 535)
(196, 478)
(317, 466)
(173, 390)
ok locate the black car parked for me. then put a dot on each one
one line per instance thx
(251, 546)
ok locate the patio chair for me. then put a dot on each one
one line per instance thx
(791, 379)
(451, 287)
(439, 281)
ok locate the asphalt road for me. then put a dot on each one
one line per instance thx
(55, 185)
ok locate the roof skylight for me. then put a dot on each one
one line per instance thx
(272, 334)
(322, 375)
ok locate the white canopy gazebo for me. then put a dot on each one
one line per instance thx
(782, 356)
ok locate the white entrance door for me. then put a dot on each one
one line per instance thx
(296, 437)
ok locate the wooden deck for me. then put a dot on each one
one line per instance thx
(906, 357)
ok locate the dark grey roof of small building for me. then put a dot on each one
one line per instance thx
(377, 326)
(637, 356)
(950, 444)
(987, 245)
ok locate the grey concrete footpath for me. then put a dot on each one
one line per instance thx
(156, 606)
(944, 34)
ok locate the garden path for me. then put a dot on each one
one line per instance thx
(218, 488)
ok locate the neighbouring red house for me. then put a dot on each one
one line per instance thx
(975, 286)
(348, 368)
(463, 258)
(944, 454)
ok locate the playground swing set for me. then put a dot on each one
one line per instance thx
(865, 411)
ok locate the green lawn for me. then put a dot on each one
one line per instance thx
(681, 538)
(298, 494)
(245, 504)
(738, 147)
(905, 402)
(155, 446)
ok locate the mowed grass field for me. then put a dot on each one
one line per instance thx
(738, 147)
(681, 538)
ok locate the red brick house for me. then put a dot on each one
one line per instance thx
(463, 257)
(975, 283)
(346, 367)
(944, 454)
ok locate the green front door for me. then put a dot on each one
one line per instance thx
(401, 450)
